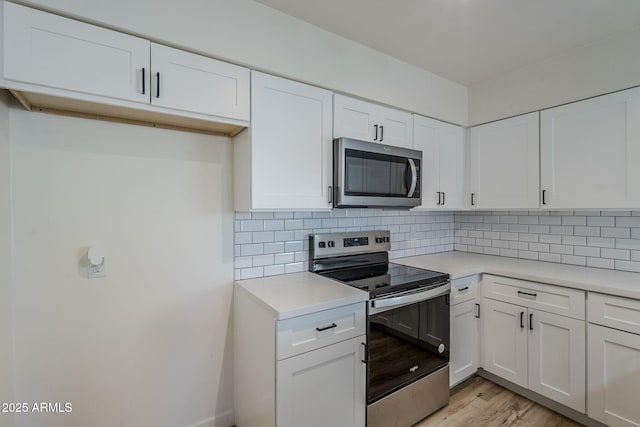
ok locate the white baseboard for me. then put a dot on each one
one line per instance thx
(225, 419)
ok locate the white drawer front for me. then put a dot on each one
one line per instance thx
(615, 312)
(549, 298)
(464, 289)
(305, 333)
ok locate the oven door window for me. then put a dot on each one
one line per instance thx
(406, 344)
(378, 175)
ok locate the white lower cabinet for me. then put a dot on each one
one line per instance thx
(557, 358)
(614, 376)
(302, 371)
(614, 360)
(544, 352)
(463, 351)
(504, 340)
(324, 387)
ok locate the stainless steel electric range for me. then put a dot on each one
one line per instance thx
(407, 326)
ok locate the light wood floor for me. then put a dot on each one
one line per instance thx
(479, 402)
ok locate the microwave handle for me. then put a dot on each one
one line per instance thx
(414, 177)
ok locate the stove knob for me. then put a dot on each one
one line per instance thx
(379, 240)
(322, 244)
(331, 244)
(386, 239)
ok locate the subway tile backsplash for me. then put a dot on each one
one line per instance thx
(272, 243)
(603, 239)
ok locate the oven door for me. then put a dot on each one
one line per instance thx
(368, 174)
(406, 342)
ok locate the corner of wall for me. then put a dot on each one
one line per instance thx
(6, 299)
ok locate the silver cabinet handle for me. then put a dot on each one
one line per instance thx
(330, 195)
(411, 298)
(414, 177)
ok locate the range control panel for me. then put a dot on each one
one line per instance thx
(359, 242)
(355, 241)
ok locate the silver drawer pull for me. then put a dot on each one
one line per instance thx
(528, 294)
(331, 326)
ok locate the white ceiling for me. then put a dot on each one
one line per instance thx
(468, 40)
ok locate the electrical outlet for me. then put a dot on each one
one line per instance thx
(94, 271)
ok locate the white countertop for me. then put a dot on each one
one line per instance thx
(298, 294)
(461, 264)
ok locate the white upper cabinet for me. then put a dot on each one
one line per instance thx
(61, 63)
(504, 163)
(189, 82)
(443, 162)
(395, 127)
(354, 118)
(357, 119)
(60, 53)
(285, 162)
(590, 151)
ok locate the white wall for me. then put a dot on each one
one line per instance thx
(6, 336)
(595, 69)
(150, 344)
(249, 33)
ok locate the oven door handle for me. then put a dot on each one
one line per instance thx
(414, 177)
(393, 302)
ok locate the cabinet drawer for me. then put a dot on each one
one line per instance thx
(615, 312)
(549, 298)
(305, 333)
(464, 289)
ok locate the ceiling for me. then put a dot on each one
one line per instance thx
(468, 41)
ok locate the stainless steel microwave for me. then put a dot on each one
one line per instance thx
(367, 174)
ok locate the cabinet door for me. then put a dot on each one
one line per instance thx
(62, 54)
(188, 82)
(504, 337)
(463, 360)
(557, 358)
(290, 144)
(505, 163)
(443, 162)
(353, 118)
(590, 151)
(324, 387)
(395, 127)
(452, 149)
(425, 131)
(613, 375)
